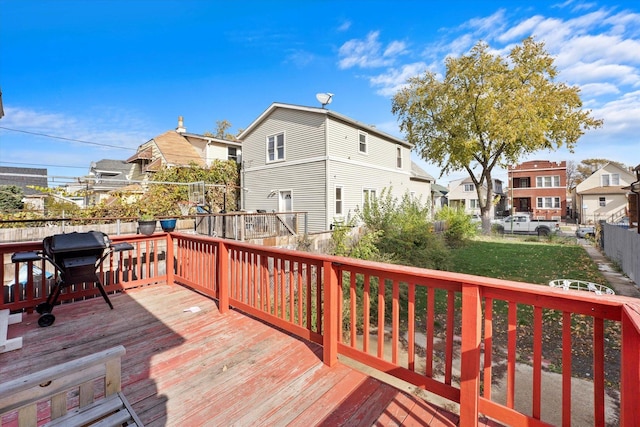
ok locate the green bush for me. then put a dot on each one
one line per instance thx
(459, 227)
(402, 232)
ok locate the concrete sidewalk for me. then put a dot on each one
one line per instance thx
(620, 283)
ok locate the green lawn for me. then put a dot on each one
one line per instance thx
(536, 263)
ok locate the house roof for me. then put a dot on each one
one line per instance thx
(604, 190)
(176, 150)
(173, 149)
(326, 112)
(419, 174)
(212, 139)
(24, 177)
(439, 189)
(144, 154)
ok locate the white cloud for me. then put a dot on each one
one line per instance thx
(368, 53)
(601, 71)
(597, 89)
(344, 26)
(300, 58)
(107, 127)
(522, 30)
(394, 79)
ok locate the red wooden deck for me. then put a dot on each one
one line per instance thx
(205, 368)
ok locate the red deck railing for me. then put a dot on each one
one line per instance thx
(444, 332)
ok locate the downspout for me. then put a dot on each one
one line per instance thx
(327, 169)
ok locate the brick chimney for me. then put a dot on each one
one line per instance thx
(181, 128)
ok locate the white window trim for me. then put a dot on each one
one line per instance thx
(275, 147)
(541, 201)
(399, 158)
(366, 142)
(370, 190)
(335, 201)
(540, 180)
(472, 186)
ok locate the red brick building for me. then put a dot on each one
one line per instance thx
(539, 187)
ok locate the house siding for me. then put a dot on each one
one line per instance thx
(307, 190)
(590, 190)
(321, 152)
(304, 137)
(354, 178)
(344, 142)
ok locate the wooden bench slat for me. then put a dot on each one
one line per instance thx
(21, 391)
(89, 414)
(111, 408)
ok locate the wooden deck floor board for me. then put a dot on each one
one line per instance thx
(205, 368)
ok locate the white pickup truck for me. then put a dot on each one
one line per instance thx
(523, 224)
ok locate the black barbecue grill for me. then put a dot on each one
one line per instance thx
(77, 257)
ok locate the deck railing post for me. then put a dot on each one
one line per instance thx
(169, 262)
(330, 314)
(470, 357)
(223, 277)
(630, 367)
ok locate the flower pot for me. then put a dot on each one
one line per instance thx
(168, 224)
(147, 227)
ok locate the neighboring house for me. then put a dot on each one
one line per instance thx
(418, 181)
(179, 148)
(315, 160)
(107, 175)
(602, 195)
(462, 194)
(26, 178)
(539, 187)
(439, 197)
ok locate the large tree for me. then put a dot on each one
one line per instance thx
(490, 110)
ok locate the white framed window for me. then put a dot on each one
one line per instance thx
(548, 202)
(473, 204)
(469, 187)
(338, 200)
(399, 157)
(609, 179)
(275, 147)
(232, 154)
(615, 179)
(548, 181)
(362, 142)
(368, 194)
(602, 201)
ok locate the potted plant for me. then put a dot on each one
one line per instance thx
(168, 224)
(147, 224)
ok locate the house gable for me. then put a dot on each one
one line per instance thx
(314, 154)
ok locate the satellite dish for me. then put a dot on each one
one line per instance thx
(324, 98)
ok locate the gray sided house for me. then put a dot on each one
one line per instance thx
(298, 158)
(26, 178)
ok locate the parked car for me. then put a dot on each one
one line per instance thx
(523, 224)
(584, 232)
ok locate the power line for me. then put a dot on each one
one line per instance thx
(68, 139)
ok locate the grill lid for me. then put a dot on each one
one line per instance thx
(72, 242)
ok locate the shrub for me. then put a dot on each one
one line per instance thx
(459, 226)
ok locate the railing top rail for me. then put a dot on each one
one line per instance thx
(585, 302)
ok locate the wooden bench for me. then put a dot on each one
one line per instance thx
(95, 399)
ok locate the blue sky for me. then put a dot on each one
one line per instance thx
(116, 73)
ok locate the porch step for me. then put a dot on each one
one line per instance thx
(7, 319)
